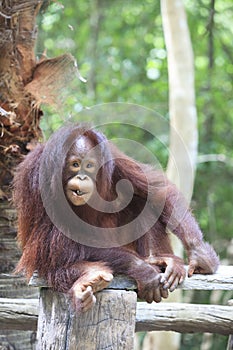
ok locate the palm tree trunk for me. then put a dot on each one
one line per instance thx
(19, 130)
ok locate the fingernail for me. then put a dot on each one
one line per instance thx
(162, 279)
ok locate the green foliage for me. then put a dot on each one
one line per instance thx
(119, 47)
(127, 60)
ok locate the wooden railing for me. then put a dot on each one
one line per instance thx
(117, 315)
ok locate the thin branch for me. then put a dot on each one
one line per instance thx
(210, 29)
(205, 158)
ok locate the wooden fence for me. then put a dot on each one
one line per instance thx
(117, 315)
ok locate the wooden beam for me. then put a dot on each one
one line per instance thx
(221, 280)
(21, 314)
(184, 318)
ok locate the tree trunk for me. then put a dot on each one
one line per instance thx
(19, 130)
(182, 108)
(183, 132)
(19, 114)
(96, 16)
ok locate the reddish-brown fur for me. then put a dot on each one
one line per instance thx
(65, 263)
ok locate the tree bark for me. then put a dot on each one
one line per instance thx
(19, 113)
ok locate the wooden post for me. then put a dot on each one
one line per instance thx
(230, 340)
(230, 343)
(110, 324)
